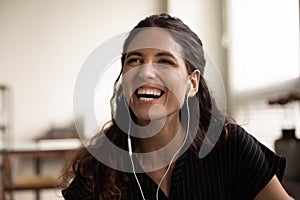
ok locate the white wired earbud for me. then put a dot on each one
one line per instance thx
(179, 149)
(190, 90)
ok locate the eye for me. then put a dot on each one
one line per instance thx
(166, 62)
(134, 61)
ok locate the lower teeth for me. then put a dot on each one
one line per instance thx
(146, 99)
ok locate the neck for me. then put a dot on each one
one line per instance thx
(169, 128)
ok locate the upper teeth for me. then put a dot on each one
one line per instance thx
(149, 91)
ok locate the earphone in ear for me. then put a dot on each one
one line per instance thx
(190, 90)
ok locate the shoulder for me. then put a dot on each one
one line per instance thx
(236, 141)
(255, 163)
(252, 151)
(243, 140)
(246, 143)
(236, 133)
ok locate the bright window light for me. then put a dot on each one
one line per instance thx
(265, 42)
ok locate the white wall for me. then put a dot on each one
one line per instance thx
(43, 45)
(206, 18)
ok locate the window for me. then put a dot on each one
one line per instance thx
(265, 42)
(264, 62)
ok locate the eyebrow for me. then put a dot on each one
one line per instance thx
(165, 54)
(136, 53)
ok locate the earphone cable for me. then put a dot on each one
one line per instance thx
(130, 154)
(185, 139)
(131, 160)
(169, 166)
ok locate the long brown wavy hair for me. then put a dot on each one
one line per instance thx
(111, 183)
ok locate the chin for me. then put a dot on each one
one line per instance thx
(147, 119)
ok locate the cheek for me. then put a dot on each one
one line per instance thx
(128, 84)
(176, 85)
(174, 102)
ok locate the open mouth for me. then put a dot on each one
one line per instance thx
(148, 94)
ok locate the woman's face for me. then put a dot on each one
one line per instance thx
(155, 77)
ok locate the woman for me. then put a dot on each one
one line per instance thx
(162, 107)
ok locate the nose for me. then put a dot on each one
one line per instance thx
(147, 71)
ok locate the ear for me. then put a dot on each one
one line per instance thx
(194, 80)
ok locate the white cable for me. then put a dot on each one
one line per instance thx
(186, 136)
(130, 154)
(131, 160)
(168, 169)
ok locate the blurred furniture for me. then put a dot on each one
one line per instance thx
(293, 96)
(60, 149)
(67, 131)
(4, 115)
(289, 147)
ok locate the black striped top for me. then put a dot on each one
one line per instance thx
(239, 169)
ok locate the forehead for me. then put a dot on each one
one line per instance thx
(154, 38)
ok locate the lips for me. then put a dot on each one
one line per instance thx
(148, 94)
